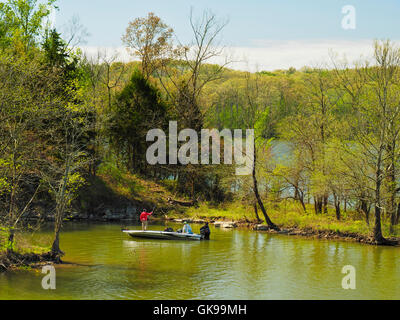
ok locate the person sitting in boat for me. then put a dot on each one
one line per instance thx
(144, 217)
(187, 228)
(205, 231)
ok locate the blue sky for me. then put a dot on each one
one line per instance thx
(253, 23)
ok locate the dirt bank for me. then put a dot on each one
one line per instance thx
(14, 260)
(290, 231)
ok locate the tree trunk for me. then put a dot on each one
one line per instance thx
(10, 244)
(378, 225)
(325, 202)
(393, 218)
(296, 191)
(299, 195)
(59, 215)
(318, 204)
(337, 207)
(55, 249)
(256, 212)
(192, 186)
(392, 186)
(364, 209)
(303, 204)
(257, 195)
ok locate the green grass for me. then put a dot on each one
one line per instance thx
(122, 182)
(227, 212)
(32, 243)
(27, 243)
(289, 214)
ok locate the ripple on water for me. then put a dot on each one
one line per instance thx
(235, 264)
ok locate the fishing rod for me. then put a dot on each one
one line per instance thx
(124, 228)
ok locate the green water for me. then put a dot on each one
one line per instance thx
(235, 264)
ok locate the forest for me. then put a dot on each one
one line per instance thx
(326, 136)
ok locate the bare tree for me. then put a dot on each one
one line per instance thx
(75, 33)
(186, 67)
(184, 75)
(255, 109)
(62, 172)
(373, 93)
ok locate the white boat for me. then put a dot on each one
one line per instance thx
(162, 235)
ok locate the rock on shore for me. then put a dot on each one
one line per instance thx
(225, 225)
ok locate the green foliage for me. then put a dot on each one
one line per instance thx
(267, 73)
(5, 244)
(123, 183)
(137, 109)
(5, 186)
(109, 168)
(22, 23)
(60, 112)
(58, 56)
(262, 126)
(171, 185)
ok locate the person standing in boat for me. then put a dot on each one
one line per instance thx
(144, 217)
(187, 228)
(205, 231)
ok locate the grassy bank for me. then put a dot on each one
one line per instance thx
(113, 187)
(29, 250)
(289, 215)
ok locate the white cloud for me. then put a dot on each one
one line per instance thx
(273, 55)
(117, 53)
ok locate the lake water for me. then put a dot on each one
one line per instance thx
(235, 264)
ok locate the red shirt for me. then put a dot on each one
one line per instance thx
(144, 216)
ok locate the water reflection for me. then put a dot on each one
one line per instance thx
(235, 264)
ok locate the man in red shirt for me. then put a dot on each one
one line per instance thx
(144, 219)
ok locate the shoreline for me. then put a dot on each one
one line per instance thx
(307, 232)
(226, 223)
(17, 261)
(13, 261)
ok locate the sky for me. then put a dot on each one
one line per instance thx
(260, 35)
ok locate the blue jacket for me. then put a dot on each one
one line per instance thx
(187, 229)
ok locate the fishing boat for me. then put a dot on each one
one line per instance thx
(162, 235)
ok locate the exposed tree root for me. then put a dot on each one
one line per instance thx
(12, 260)
(386, 242)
